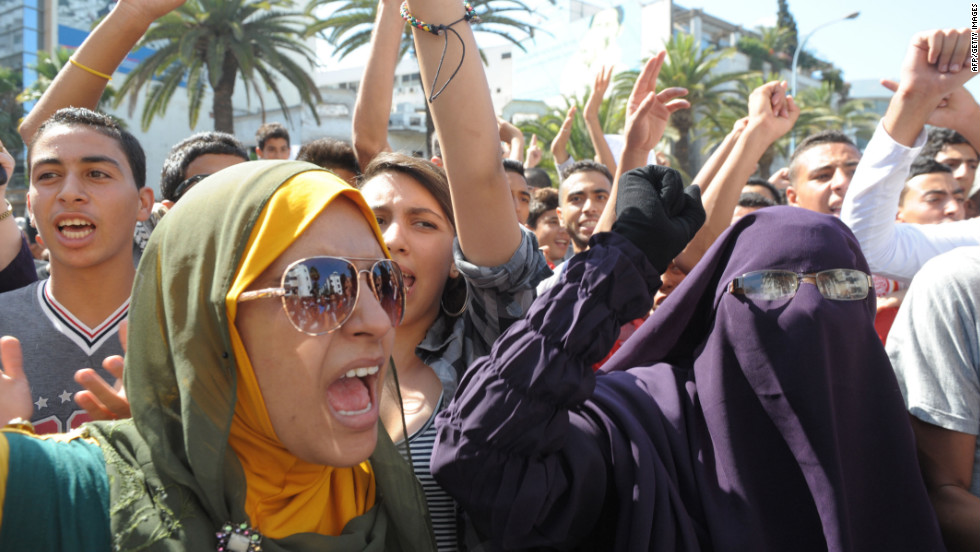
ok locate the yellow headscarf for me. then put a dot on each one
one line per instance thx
(286, 495)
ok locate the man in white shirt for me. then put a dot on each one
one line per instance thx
(931, 91)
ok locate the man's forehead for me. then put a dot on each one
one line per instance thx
(585, 181)
(829, 154)
(957, 151)
(935, 182)
(65, 143)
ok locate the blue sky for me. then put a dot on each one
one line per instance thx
(871, 46)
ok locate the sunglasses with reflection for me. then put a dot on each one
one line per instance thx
(838, 284)
(319, 293)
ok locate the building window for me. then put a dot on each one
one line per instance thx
(505, 55)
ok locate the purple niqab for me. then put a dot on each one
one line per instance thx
(723, 423)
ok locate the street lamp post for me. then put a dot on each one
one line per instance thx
(796, 57)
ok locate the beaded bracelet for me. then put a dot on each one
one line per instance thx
(423, 26)
(470, 15)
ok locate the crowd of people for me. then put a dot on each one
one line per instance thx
(599, 359)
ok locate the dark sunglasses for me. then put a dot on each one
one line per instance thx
(187, 185)
(319, 293)
(839, 284)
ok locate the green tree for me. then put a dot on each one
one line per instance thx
(772, 46)
(785, 21)
(349, 26)
(828, 109)
(821, 108)
(210, 44)
(692, 68)
(47, 69)
(10, 114)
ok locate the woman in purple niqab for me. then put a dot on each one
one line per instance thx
(724, 423)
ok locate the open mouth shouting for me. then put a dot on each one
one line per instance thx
(353, 397)
(75, 228)
(409, 278)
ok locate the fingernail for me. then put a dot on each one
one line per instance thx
(954, 67)
(943, 68)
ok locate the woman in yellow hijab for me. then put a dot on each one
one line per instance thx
(261, 325)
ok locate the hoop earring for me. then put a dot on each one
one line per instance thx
(466, 299)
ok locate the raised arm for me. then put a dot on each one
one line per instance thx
(513, 446)
(936, 64)
(591, 116)
(15, 259)
(81, 82)
(559, 146)
(934, 69)
(456, 86)
(534, 153)
(647, 115)
(369, 132)
(771, 115)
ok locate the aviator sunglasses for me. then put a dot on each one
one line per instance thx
(839, 284)
(319, 293)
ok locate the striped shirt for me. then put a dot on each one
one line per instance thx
(496, 297)
(442, 508)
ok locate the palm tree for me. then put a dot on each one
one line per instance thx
(47, 69)
(771, 46)
(579, 146)
(209, 44)
(693, 68)
(349, 26)
(826, 108)
(821, 108)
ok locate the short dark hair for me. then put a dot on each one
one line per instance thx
(586, 165)
(920, 166)
(752, 199)
(187, 150)
(926, 165)
(330, 154)
(819, 139)
(759, 181)
(270, 130)
(542, 201)
(514, 166)
(939, 138)
(538, 178)
(103, 124)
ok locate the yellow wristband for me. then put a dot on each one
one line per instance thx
(7, 214)
(89, 69)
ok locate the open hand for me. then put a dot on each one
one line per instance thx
(15, 391)
(648, 113)
(559, 146)
(534, 153)
(101, 400)
(599, 88)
